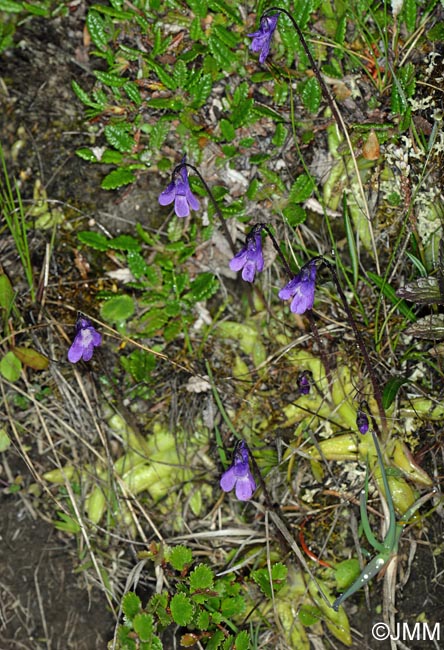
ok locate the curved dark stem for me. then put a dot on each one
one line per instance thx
(221, 217)
(282, 257)
(360, 341)
(325, 91)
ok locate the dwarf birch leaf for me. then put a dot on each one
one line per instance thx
(181, 609)
(131, 605)
(143, 625)
(180, 557)
(201, 578)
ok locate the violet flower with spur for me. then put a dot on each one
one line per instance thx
(239, 475)
(180, 192)
(85, 340)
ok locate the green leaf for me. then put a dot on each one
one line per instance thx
(220, 6)
(10, 7)
(346, 573)
(109, 79)
(301, 189)
(180, 74)
(131, 604)
(117, 309)
(242, 641)
(311, 94)
(6, 293)
(391, 390)
(84, 97)
(10, 367)
(139, 364)
(201, 578)
(118, 178)
(203, 620)
(181, 609)
(86, 154)
(5, 441)
(200, 90)
(227, 129)
(37, 10)
(143, 625)
(136, 264)
(409, 14)
(203, 287)
(125, 243)
(180, 557)
(133, 92)
(294, 214)
(119, 137)
(165, 78)
(222, 54)
(309, 615)
(158, 134)
(96, 28)
(198, 7)
(95, 240)
(153, 321)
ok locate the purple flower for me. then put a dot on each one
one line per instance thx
(262, 38)
(301, 288)
(239, 474)
(362, 422)
(179, 191)
(249, 258)
(86, 339)
(304, 383)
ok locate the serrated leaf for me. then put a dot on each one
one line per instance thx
(133, 92)
(409, 12)
(31, 358)
(220, 6)
(181, 609)
(153, 321)
(118, 178)
(109, 79)
(83, 96)
(229, 38)
(203, 287)
(139, 364)
(125, 243)
(95, 240)
(201, 578)
(311, 94)
(117, 309)
(227, 129)
(198, 7)
(242, 641)
(301, 189)
(10, 367)
(424, 291)
(180, 74)
(131, 604)
(180, 557)
(200, 90)
(222, 54)
(86, 154)
(143, 626)
(136, 264)
(96, 29)
(119, 137)
(163, 76)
